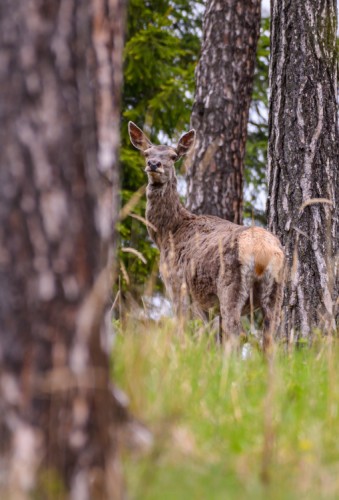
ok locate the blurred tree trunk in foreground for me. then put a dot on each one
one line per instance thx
(224, 80)
(303, 158)
(60, 79)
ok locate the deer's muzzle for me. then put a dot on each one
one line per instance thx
(153, 165)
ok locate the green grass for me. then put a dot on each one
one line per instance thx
(227, 427)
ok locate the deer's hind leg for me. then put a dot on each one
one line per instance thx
(270, 302)
(232, 298)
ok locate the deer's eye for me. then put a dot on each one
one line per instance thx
(174, 157)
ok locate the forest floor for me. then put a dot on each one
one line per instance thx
(226, 426)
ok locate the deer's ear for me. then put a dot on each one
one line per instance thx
(138, 138)
(185, 143)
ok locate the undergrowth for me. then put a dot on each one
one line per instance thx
(229, 426)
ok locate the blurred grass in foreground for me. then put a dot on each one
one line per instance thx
(229, 427)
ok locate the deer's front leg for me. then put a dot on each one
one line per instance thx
(181, 301)
(177, 290)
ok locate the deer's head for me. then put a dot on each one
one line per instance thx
(160, 159)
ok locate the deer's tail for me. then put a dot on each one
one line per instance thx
(262, 250)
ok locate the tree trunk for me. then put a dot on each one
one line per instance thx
(60, 79)
(224, 79)
(303, 158)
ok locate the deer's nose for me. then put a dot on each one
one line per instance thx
(154, 165)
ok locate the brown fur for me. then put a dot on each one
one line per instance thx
(207, 262)
(261, 246)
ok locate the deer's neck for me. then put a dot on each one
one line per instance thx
(164, 211)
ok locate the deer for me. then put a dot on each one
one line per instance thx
(207, 262)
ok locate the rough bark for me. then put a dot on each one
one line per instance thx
(224, 79)
(60, 79)
(303, 158)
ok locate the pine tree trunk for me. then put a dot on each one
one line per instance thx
(60, 80)
(303, 158)
(224, 79)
